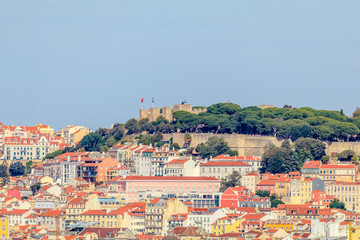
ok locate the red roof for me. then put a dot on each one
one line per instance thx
(252, 216)
(235, 163)
(153, 178)
(94, 212)
(252, 174)
(227, 157)
(348, 166)
(16, 212)
(77, 200)
(267, 182)
(312, 164)
(178, 161)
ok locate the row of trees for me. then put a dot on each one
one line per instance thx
(284, 123)
(289, 157)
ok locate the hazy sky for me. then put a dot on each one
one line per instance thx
(90, 62)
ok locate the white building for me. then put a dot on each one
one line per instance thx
(204, 217)
(222, 169)
(182, 167)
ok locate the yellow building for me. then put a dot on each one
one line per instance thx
(354, 233)
(79, 134)
(338, 172)
(79, 205)
(101, 217)
(4, 227)
(45, 129)
(173, 206)
(286, 225)
(46, 180)
(283, 188)
(346, 192)
(307, 186)
(229, 224)
(73, 134)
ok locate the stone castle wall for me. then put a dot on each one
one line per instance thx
(250, 145)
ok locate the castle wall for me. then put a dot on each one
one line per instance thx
(249, 145)
(245, 144)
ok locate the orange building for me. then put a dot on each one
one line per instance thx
(107, 169)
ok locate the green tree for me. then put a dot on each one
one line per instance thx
(325, 159)
(187, 140)
(110, 141)
(293, 128)
(16, 169)
(185, 121)
(286, 144)
(28, 167)
(262, 193)
(356, 113)
(175, 146)
(4, 173)
(35, 188)
(223, 108)
(336, 203)
(213, 147)
(232, 180)
(309, 148)
(233, 152)
(54, 154)
(346, 155)
(92, 142)
(132, 126)
(279, 160)
(275, 201)
(117, 131)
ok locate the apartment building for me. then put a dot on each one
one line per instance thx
(132, 187)
(222, 169)
(346, 192)
(338, 172)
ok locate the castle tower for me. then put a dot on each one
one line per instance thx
(154, 113)
(166, 113)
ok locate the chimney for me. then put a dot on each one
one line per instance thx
(68, 158)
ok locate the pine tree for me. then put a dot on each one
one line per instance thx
(4, 173)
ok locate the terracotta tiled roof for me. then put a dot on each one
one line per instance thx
(227, 157)
(153, 178)
(177, 161)
(237, 163)
(347, 166)
(94, 212)
(267, 182)
(312, 164)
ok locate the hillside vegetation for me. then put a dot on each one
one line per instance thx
(284, 123)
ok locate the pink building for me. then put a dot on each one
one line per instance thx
(266, 185)
(131, 187)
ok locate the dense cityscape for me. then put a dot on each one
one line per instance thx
(177, 120)
(181, 173)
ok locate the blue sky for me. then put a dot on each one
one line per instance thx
(90, 62)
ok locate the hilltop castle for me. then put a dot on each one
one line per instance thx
(166, 112)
